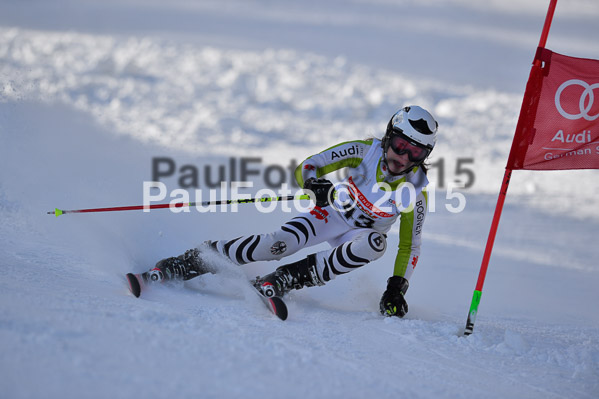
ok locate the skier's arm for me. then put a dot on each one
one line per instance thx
(347, 154)
(410, 237)
(393, 302)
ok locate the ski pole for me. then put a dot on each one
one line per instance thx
(59, 212)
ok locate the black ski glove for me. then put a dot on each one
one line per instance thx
(323, 189)
(393, 302)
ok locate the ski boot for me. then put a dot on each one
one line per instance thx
(183, 267)
(295, 275)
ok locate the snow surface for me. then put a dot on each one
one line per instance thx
(91, 91)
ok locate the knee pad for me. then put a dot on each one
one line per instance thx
(364, 248)
(377, 244)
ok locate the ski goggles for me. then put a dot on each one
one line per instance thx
(400, 145)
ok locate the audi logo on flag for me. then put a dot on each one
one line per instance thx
(587, 96)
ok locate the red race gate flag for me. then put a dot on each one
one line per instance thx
(559, 128)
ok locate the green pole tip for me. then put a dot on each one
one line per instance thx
(57, 212)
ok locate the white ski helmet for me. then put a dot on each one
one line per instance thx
(416, 125)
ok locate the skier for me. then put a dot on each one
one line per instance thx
(353, 222)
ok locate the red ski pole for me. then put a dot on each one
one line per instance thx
(59, 212)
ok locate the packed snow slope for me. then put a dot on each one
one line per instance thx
(92, 92)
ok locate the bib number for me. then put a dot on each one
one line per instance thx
(360, 220)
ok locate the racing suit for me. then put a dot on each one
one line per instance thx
(369, 202)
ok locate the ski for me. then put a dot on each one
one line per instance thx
(135, 284)
(275, 304)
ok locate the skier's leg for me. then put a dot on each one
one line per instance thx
(306, 229)
(302, 231)
(358, 248)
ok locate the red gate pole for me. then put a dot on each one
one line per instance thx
(502, 194)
